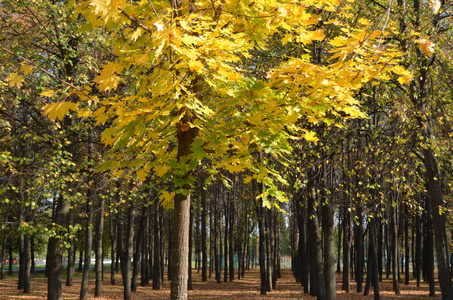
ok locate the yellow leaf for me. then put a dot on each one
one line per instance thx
(195, 65)
(235, 169)
(310, 136)
(58, 110)
(14, 80)
(141, 174)
(167, 199)
(26, 69)
(107, 79)
(84, 113)
(48, 93)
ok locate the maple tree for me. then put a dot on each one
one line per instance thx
(177, 65)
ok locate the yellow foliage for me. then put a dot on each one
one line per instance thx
(57, 111)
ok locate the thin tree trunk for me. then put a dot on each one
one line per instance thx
(359, 251)
(395, 248)
(27, 263)
(157, 276)
(406, 246)
(126, 254)
(55, 249)
(71, 257)
(88, 248)
(138, 250)
(189, 259)
(2, 255)
(99, 251)
(204, 253)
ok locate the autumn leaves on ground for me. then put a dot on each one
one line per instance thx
(246, 288)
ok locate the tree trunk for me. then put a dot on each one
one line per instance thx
(114, 241)
(71, 257)
(395, 248)
(428, 259)
(315, 235)
(204, 253)
(231, 235)
(418, 250)
(346, 286)
(55, 249)
(262, 248)
(180, 246)
(126, 254)
(406, 246)
(27, 263)
(138, 250)
(99, 251)
(359, 251)
(189, 259)
(439, 222)
(2, 255)
(88, 247)
(157, 277)
(328, 231)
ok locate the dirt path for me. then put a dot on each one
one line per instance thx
(246, 288)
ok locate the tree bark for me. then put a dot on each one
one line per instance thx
(126, 254)
(138, 250)
(204, 254)
(181, 221)
(439, 222)
(88, 247)
(99, 251)
(55, 249)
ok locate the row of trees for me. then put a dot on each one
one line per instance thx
(239, 105)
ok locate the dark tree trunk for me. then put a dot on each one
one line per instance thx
(2, 255)
(88, 247)
(99, 248)
(80, 266)
(20, 282)
(395, 248)
(225, 242)
(138, 250)
(126, 254)
(359, 251)
(329, 250)
(418, 250)
(231, 235)
(406, 246)
(372, 270)
(146, 253)
(71, 257)
(439, 223)
(428, 249)
(302, 249)
(114, 241)
(204, 251)
(315, 236)
(170, 247)
(157, 276)
(55, 249)
(189, 258)
(262, 248)
(346, 286)
(27, 263)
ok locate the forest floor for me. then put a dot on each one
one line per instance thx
(246, 288)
